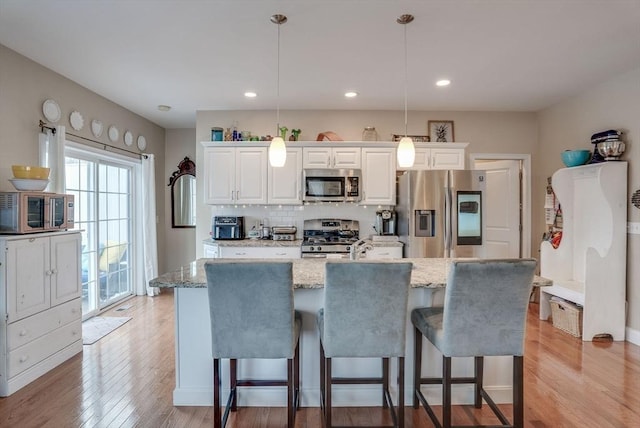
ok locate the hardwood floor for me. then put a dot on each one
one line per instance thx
(126, 379)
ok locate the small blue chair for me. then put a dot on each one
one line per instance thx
(364, 315)
(252, 316)
(484, 314)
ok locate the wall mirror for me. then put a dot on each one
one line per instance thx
(183, 194)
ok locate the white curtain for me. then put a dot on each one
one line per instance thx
(51, 153)
(147, 192)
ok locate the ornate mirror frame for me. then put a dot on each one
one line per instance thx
(186, 173)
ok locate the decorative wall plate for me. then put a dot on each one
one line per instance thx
(76, 120)
(96, 127)
(51, 111)
(113, 133)
(142, 142)
(128, 138)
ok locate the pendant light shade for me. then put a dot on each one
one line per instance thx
(277, 152)
(277, 148)
(406, 151)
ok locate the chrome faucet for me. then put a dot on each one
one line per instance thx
(359, 248)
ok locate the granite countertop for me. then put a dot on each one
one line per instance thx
(309, 273)
(260, 243)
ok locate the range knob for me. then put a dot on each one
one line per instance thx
(319, 248)
(348, 247)
(311, 248)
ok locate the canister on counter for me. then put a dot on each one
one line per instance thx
(216, 134)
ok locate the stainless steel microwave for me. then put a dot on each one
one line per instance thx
(32, 212)
(332, 185)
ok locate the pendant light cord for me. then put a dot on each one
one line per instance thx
(405, 80)
(278, 87)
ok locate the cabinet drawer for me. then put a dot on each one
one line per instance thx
(32, 353)
(260, 252)
(24, 331)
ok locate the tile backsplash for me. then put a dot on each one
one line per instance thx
(294, 215)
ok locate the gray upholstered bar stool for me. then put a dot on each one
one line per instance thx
(364, 315)
(484, 314)
(252, 316)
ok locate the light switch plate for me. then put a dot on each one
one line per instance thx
(633, 228)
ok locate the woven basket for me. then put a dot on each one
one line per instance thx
(567, 317)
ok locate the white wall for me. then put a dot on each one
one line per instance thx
(487, 132)
(181, 247)
(614, 104)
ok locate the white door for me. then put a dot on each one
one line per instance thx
(220, 175)
(65, 267)
(502, 208)
(284, 183)
(379, 176)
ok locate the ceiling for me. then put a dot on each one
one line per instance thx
(518, 55)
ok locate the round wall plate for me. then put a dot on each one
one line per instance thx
(76, 120)
(128, 138)
(142, 142)
(113, 133)
(51, 111)
(96, 128)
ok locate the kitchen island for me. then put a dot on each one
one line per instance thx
(194, 366)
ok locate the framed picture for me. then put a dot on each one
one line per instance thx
(415, 138)
(441, 131)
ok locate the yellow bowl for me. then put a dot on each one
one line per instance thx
(30, 172)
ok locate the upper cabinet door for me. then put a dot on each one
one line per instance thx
(379, 176)
(346, 157)
(447, 158)
(319, 157)
(251, 175)
(332, 157)
(285, 183)
(219, 175)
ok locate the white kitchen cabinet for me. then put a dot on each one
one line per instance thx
(243, 252)
(332, 157)
(379, 176)
(438, 156)
(589, 265)
(40, 289)
(210, 250)
(285, 183)
(235, 175)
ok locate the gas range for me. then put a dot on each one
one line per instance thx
(329, 237)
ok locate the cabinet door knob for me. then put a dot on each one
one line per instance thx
(23, 332)
(24, 358)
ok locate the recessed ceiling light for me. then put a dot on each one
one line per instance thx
(351, 94)
(250, 94)
(163, 107)
(443, 82)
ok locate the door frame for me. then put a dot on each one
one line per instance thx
(525, 189)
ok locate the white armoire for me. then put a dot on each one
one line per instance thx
(589, 266)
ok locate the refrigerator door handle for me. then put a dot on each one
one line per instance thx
(448, 235)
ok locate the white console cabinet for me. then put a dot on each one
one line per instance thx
(40, 305)
(589, 265)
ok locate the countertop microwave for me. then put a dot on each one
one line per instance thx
(332, 185)
(32, 212)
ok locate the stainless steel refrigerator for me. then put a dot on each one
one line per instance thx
(440, 213)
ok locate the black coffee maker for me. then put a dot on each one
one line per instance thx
(386, 222)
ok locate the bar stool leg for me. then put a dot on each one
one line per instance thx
(401, 392)
(217, 414)
(518, 391)
(417, 364)
(385, 381)
(478, 375)
(290, 395)
(446, 392)
(233, 383)
(296, 376)
(327, 404)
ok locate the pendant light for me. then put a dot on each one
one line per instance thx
(406, 150)
(277, 149)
